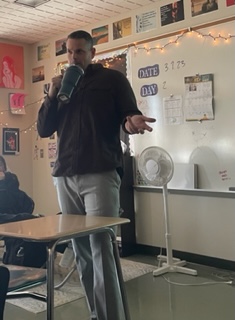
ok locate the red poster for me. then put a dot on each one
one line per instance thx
(230, 2)
(11, 66)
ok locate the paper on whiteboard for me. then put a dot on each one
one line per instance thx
(198, 98)
(173, 113)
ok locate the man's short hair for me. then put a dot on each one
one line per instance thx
(81, 34)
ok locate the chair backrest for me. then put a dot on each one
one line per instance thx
(4, 282)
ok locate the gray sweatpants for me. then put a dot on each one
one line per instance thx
(95, 195)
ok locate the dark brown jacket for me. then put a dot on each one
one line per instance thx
(88, 128)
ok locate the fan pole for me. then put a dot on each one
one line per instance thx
(167, 226)
(171, 265)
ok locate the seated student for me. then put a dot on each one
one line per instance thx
(12, 199)
(16, 205)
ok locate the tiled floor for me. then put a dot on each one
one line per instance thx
(172, 296)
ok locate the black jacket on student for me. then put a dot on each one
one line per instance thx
(12, 199)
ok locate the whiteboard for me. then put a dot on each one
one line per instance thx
(208, 144)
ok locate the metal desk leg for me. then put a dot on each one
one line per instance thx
(50, 275)
(50, 280)
(119, 272)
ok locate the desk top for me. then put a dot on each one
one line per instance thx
(56, 227)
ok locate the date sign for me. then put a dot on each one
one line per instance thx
(147, 72)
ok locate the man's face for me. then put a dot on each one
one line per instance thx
(79, 52)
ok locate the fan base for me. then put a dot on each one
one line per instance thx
(175, 266)
(164, 259)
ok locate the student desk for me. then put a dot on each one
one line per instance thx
(53, 229)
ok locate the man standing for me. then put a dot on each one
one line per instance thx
(88, 169)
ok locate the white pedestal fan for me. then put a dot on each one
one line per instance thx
(157, 168)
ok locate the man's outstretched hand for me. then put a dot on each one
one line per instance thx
(137, 124)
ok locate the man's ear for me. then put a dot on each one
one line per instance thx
(93, 51)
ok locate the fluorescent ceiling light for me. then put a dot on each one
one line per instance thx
(31, 3)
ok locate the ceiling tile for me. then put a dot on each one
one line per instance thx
(29, 25)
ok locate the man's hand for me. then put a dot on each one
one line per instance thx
(54, 86)
(137, 124)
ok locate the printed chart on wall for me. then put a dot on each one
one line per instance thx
(187, 83)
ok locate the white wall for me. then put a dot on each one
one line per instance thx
(202, 225)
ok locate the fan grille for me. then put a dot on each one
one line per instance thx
(156, 166)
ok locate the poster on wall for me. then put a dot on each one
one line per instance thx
(35, 152)
(61, 67)
(43, 52)
(200, 7)
(172, 12)
(10, 143)
(38, 74)
(145, 21)
(100, 35)
(17, 102)
(121, 28)
(52, 150)
(11, 66)
(60, 47)
(230, 3)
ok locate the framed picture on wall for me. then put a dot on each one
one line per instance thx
(61, 67)
(11, 139)
(122, 28)
(38, 74)
(100, 35)
(43, 52)
(60, 47)
(17, 103)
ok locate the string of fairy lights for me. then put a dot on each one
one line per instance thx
(137, 48)
(188, 31)
(31, 126)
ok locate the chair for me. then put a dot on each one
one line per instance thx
(4, 282)
(23, 278)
